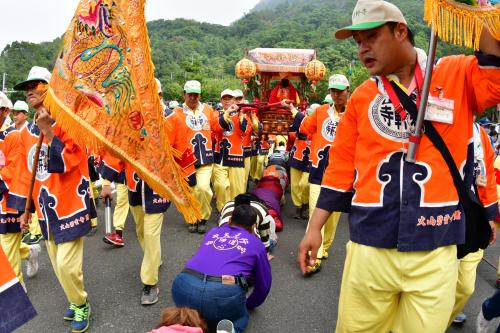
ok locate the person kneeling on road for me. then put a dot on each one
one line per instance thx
(214, 281)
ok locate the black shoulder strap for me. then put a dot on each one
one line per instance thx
(438, 142)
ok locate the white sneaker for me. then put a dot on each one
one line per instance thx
(225, 326)
(483, 325)
(32, 266)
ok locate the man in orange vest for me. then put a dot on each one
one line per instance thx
(195, 121)
(405, 218)
(61, 194)
(321, 126)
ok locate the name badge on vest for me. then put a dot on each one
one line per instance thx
(440, 110)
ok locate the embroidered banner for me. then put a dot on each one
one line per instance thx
(103, 93)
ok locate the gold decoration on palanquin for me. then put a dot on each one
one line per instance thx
(245, 69)
(315, 70)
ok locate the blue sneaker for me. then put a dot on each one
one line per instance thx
(81, 322)
(460, 318)
(69, 314)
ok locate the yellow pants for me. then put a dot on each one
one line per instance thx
(498, 270)
(94, 191)
(15, 250)
(202, 191)
(67, 261)
(248, 165)
(253, 166)
(398, 292)
(330, 227)
(121, 207)
(466, 281)
(94, 196)
(259, 166)
(299, 183)
(148, 230)
(34, 226)
(228, 183)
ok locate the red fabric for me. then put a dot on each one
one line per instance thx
(274, 98)
(277, 219)
(497, 176)
(271, 183)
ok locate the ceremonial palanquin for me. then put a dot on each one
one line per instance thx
(262, 66)
(103, 93)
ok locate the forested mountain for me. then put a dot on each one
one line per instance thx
(185, 49)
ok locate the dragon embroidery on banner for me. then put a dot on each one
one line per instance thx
(101, 66)
(97, 21)
(103, 94)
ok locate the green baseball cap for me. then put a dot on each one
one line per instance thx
(192, 87)
(370, 14)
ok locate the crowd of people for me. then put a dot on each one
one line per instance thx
(402, 271)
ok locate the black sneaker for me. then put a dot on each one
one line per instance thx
(26, 236)
(149, 295)
(202, 227)
(193, 228)
(33, 239)
(92, 232)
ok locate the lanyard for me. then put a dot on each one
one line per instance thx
(395, 99)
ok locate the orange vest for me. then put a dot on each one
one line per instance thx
(300, 153)
(61, 191)
(195, 131)
(321, 126)
(9, 143)
(229, 146)
(393, 203)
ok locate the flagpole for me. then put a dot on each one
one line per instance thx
(416, 135)
(34, 167)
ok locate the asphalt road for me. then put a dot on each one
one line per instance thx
(295, 304)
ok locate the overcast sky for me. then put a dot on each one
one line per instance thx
(37, 21)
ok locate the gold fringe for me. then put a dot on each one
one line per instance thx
(461, 24)
(85, 135)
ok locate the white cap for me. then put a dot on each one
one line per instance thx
(238, 93)
(173, 104)
(311, 108)
(158, 83)
(338, 81)
(227, 92)
(370, 14)
(21, 106)
(328, 99)
(192, 87)
(5, 101)
(36, 74)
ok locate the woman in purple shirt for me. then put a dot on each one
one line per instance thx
(214, 281)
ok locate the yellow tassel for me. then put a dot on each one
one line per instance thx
(462, 24)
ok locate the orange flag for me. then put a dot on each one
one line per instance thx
(103, 93)
(15, 306)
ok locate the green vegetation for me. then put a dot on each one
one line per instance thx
(185, 49)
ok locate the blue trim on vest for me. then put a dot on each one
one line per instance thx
(69, 228)
(316, 173)
(17, 202)
(10, 223)
(487, 60)
(56, 160)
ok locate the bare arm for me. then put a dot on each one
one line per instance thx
(488, 44)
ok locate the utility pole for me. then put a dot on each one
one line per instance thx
(3, 82)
